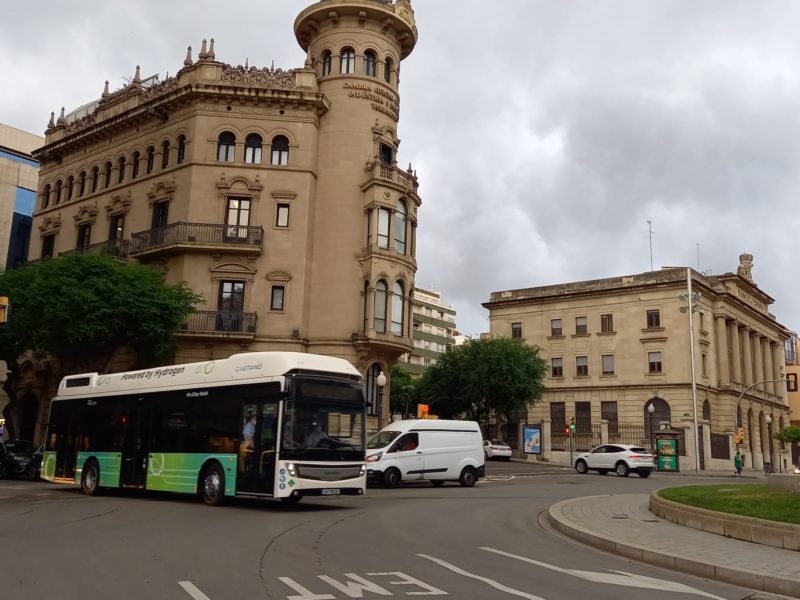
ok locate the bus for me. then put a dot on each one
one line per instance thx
(282, 425)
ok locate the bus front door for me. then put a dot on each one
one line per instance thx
(256, 469)
(134, 453)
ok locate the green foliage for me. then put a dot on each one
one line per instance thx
(496, 376)
(403, 391)
(789, 435)
(81, 308)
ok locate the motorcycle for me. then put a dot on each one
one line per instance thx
(20, 459)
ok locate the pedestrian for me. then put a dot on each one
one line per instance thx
(737, 462)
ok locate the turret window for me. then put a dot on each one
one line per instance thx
(121, 166)
(95, 178)
(82, 184)
(326, 63)
(398, 302)
(151, 159)
(383, 228)
(370, 64)
(348, 61)
(70, 186)
(252, 148)
(135, 161)
(164, 155)
(379, 321)
(107, 179)
(226, 147)
(46, 196)
(59, 185)
(400, 220)
(280, 150)
(387, 70)
(181, 149)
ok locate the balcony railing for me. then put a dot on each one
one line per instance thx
(116, 248)
(379, 170)
(221, 322)
(201, 235)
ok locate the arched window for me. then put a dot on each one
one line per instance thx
(383, 228)
(280, 150)
(165, 155)
(326, 63)
(379, 320)
(252, 148)
(400, 219)
(373, 392)
(82, 184)
(107, 179)
(706, 411)
(387, 70)
(661, 414)
(370, 64)
(181, 149)
(121, 167)
(46, 196)
(135, 162)
(226, 147)
(95, 178)
(59, 187)
(398, 305)
(151, 159)
(70, 187)
(348, 61)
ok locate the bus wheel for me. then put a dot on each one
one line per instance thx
(213, 485)
(292, 500)
(90, 478)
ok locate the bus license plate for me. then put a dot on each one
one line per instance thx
(330, 492)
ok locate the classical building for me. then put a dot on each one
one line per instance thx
(434, 324)
(617, 346)
(276, 194)
(793, 389)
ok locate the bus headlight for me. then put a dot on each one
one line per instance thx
(375, 457)
(363, 471)
(291, 469)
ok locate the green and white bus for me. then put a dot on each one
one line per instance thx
(263, 424)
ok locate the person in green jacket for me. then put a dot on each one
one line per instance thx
(737, 462)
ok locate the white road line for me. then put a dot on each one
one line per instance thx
(613, 577)
(486, 580)
(43, 494)
(190, 589)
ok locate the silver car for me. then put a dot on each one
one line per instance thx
(620, 458)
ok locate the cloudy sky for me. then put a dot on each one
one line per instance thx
(545, 133)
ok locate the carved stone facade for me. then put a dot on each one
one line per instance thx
(614, 346)
(274, 193)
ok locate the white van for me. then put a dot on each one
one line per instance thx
(427, 449)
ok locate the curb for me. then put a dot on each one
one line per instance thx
(746, 579)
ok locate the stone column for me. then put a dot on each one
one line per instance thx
(758, 355)
(723, 367)
(765, 348)
(778, 360)
(747, 357)
(604, 431)
(689, 462)
(547, 446)
(736, 354)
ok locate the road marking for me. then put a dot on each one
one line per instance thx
(356, 588)
(491, 582)
(190, 589)
(614, 577)
(305, 593)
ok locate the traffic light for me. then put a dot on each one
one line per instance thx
(740, 435)
(572, 425)
(566, 430)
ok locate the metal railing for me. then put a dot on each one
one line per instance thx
(379, 170)
(630, 434)
(199, 234)
(220, 321)
(116, 248)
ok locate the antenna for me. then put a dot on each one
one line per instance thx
(698, 257)
(650, 229)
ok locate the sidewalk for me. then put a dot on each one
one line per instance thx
(623, 524)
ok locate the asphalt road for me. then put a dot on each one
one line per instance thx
(482, 543)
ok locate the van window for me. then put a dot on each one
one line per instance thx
(381, 439)
(408, 442)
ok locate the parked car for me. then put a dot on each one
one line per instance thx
(19, 458)
(621, 458)
(496, 449)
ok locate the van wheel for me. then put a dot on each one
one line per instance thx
(437, 483)
(467, 477)
(213, 485)
(392, 478)
(90, 478)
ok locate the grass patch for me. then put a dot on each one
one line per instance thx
(748, 500)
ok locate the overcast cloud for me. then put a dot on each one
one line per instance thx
(545, 133)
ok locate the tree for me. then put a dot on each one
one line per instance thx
(402, 391)
(484, 377)
(81, 309)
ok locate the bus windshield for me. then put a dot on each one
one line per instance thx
(323, 422)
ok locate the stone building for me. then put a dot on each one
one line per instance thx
(276, 194)
(619, 345)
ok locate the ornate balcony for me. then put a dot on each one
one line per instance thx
(116, 248)
(379, 172)
(177, 237)
(220, 323)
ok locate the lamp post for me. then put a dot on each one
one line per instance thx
(769, 438)
(651, 408)
(692, 307)
(380, 381)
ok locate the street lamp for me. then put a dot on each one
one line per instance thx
(380, 381)
(651, 408)
(692, 307)
(769, 439)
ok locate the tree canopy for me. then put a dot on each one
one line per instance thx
(82, 308)
(789, 435)
(403, 392)
(484, 377)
